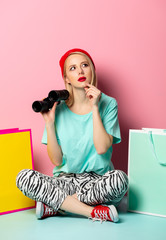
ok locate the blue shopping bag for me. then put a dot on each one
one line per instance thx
(147, 171)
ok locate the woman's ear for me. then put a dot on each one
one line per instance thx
(67, 80)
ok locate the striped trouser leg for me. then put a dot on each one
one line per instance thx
(109, 188)
(39, 187)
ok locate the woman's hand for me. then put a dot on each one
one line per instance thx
(93, 94)
(49, 116)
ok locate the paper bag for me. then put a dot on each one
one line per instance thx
(15, 155)
(147, 171)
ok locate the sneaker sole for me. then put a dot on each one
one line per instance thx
(114, 213)
(39, 210)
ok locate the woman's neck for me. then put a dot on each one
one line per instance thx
(80, 97)
(81, 102)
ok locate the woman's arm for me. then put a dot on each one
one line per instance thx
(53, 148)
(102, 140)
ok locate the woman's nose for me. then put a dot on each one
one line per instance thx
(81, 71)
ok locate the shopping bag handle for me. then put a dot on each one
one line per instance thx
(153, 148)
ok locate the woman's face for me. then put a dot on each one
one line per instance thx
(78, 70)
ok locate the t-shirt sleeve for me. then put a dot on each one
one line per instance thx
(111, 122)
(44, 137)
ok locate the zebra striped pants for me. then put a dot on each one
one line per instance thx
(90, 188)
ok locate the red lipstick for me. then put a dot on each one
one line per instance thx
(82, 79)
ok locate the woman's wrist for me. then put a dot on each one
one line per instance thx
(95, 107)
(50, 126)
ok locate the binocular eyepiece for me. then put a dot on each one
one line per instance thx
(47, 103)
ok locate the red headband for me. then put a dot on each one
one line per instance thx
(63, 58)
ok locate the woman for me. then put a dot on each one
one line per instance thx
(79, 134)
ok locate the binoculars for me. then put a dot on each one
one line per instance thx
(47, 103)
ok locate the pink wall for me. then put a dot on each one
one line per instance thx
(126, 40)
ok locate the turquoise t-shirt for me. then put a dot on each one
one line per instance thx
(75, 136)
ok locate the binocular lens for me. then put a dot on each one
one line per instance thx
(47, 103)
(37, 107)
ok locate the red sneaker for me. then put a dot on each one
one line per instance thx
(105, 213)
(43, 211)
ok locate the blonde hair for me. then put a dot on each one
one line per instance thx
(70, 100)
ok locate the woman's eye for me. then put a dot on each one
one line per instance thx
(85, 65)
(72, 68)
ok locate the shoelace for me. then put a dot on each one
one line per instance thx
(97, 219)
(49, 211)
(100, 215)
